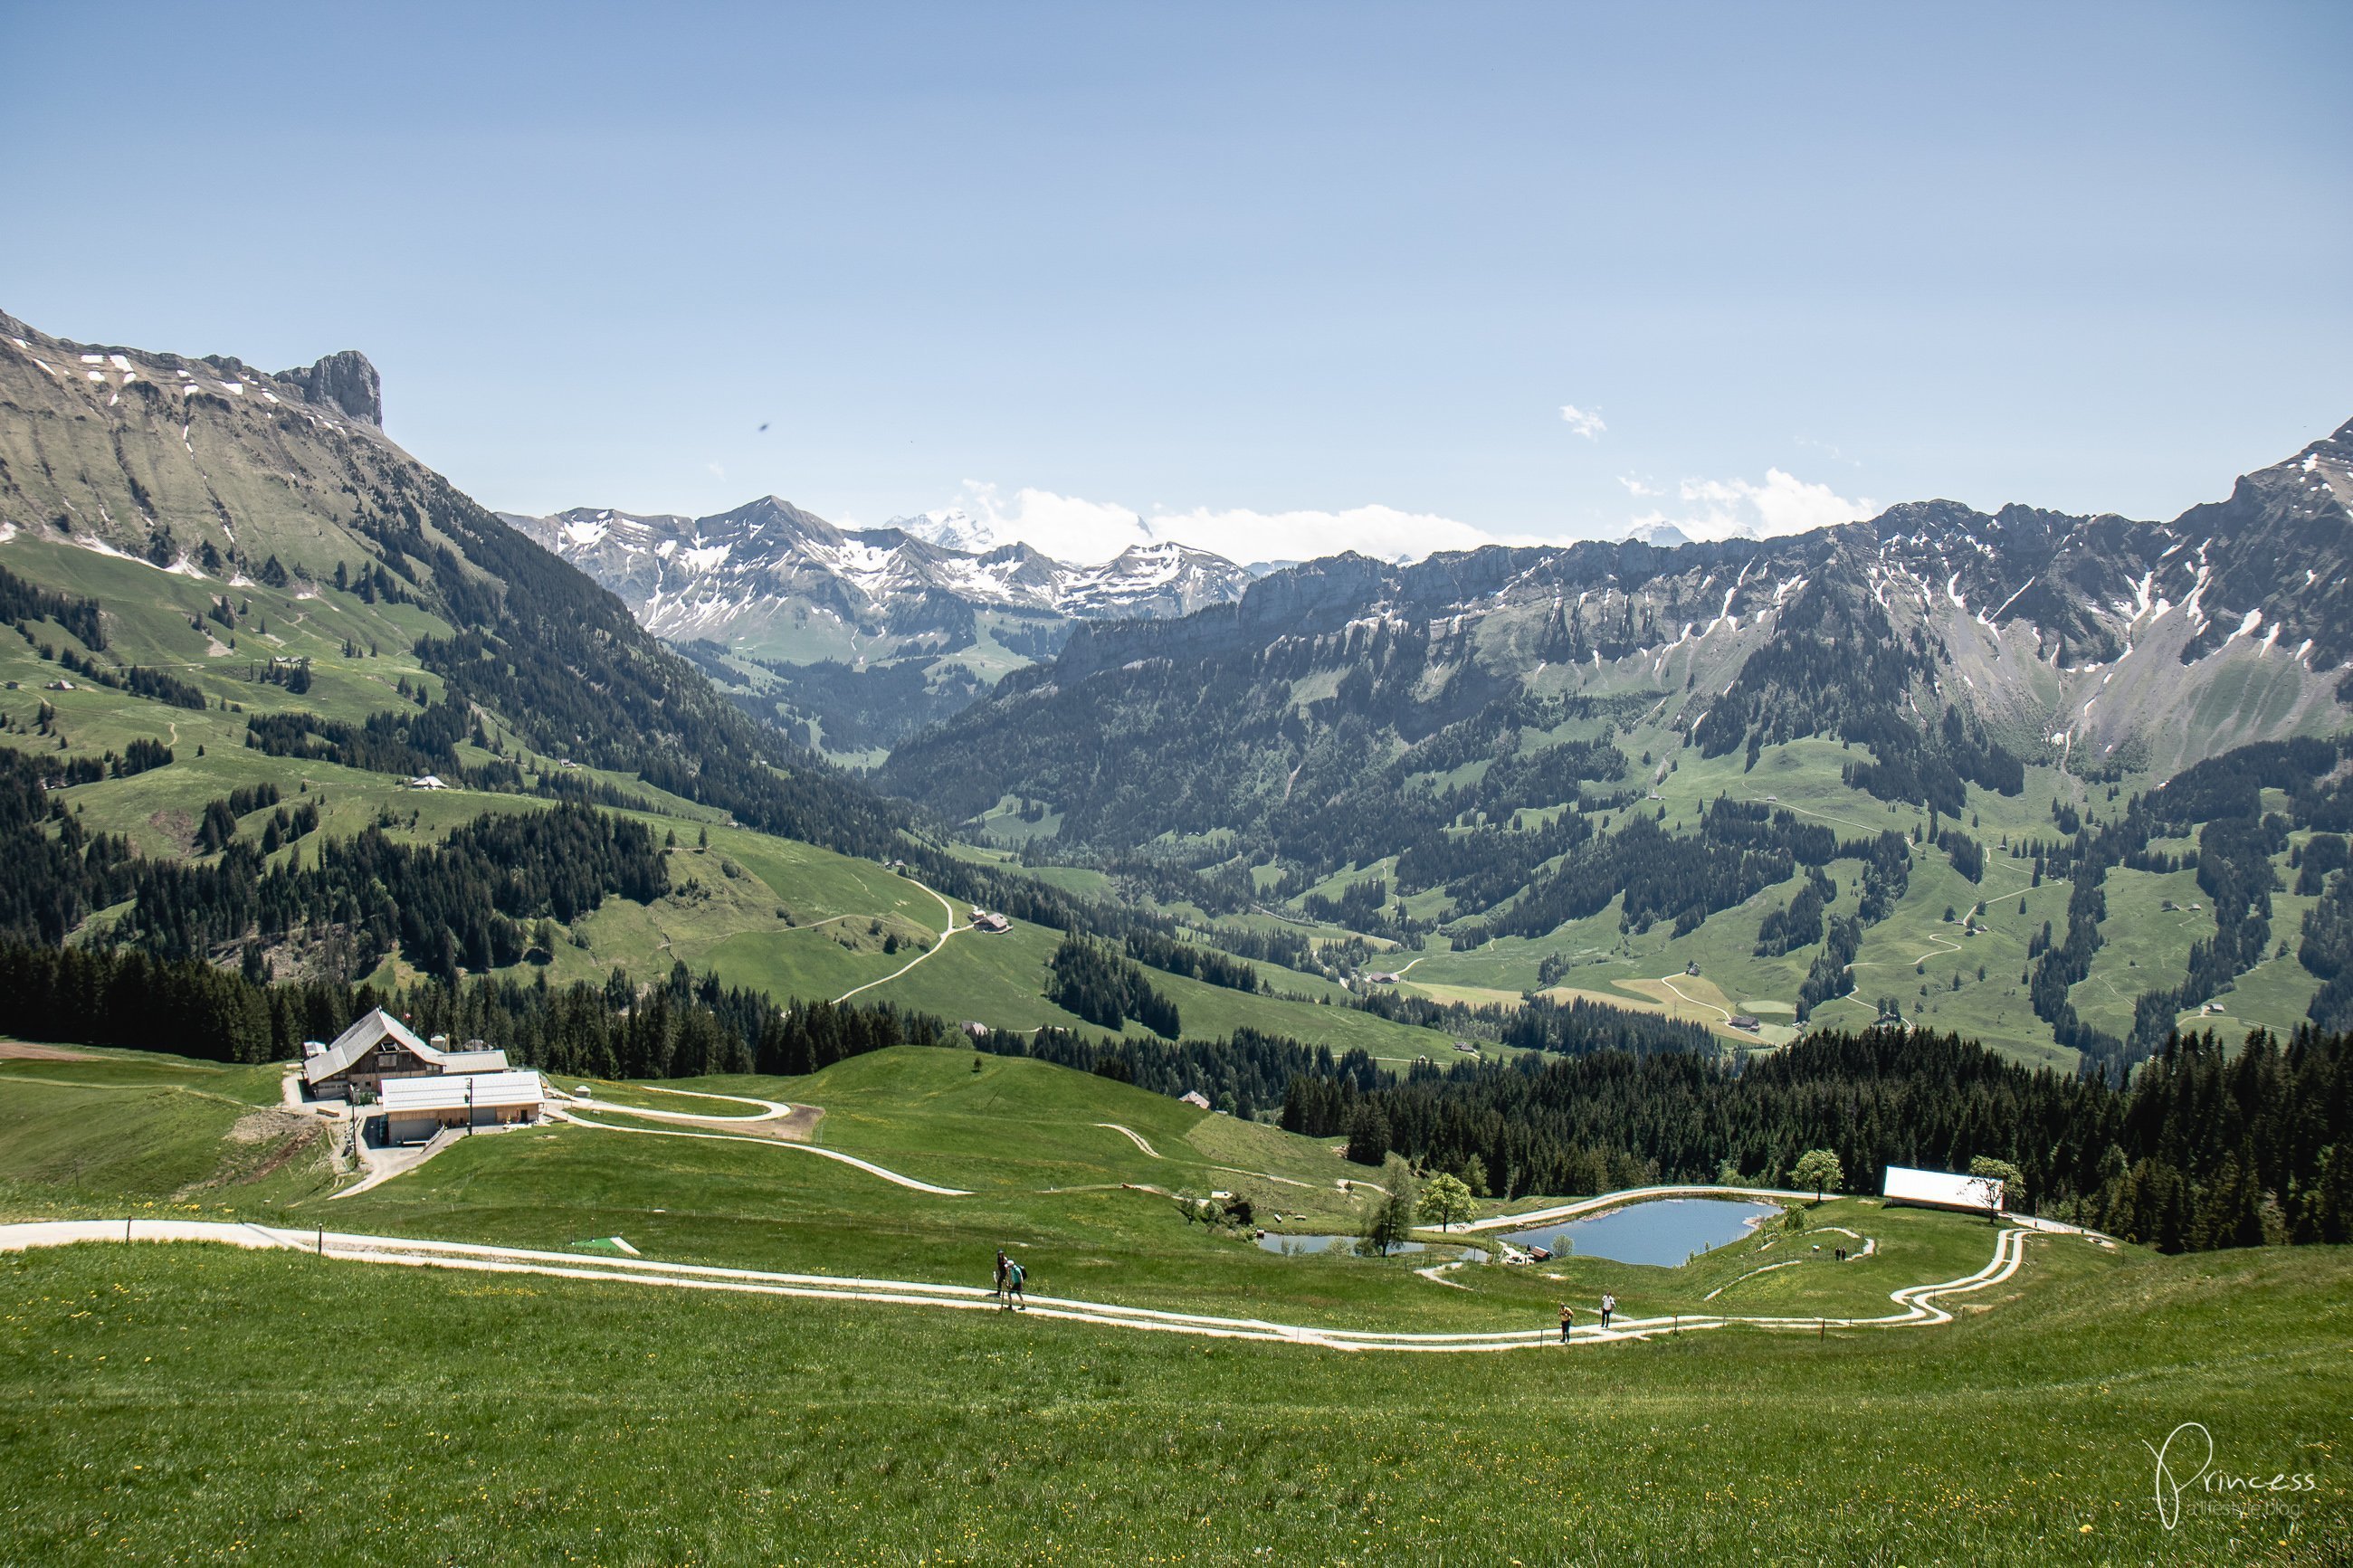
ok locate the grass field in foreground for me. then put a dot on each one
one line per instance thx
(1079, 1202)
(189, 1404)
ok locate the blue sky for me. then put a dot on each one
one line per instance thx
(1280, 278)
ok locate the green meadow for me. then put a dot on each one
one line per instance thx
(192, 1404)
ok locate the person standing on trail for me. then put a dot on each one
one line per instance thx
(1014, 1275)
(1566, 1318)
(1609, 1305)
(1003, 1263)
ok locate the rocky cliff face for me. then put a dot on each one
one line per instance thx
(346, 381)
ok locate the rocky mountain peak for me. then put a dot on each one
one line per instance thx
(344, 380)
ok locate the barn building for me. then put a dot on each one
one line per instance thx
(381, 1047)
(417, 1107)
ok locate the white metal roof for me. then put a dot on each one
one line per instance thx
(473, 1061)
(1941, 1188)
(404, 1096)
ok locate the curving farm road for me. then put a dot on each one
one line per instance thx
(1920, 1304)
(1619, 1200)
(952, 930)
(769, 1110)
(1133, 1136)
(575, 1118)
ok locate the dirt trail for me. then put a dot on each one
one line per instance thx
(1920, 1304)
(1133, 1136)
(952, 930)
(577, 1119)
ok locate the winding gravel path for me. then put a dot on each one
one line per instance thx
(871, 1169)
(1619, 1200)
(769, 1110)
(952, 931)
(1921, 1304)
(1133, 1136)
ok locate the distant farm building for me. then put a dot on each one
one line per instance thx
(1382, 979)
(1194, 1097)
(1743, 1021)
(1941, 1190)
(426, 781)
(1692, 967)
(417, 1107)
(994, 924)
(381, 1047)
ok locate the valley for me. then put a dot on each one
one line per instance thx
(1156, 787)
(1166, 928)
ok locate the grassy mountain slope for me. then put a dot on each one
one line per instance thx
(209, 562)
(1470, 746)
(860, 1432)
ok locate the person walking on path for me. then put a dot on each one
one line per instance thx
(1609, 1305)
(1014, 1274)
(1003, 1264)
(1565, 1316)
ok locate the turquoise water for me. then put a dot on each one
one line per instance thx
(1664, 1231)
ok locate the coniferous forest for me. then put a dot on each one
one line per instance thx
(2208, 1147)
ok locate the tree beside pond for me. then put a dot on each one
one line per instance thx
(1445, 1202)
(1820, 1170)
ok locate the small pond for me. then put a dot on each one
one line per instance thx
(1302, 1245)
(1664, 1231)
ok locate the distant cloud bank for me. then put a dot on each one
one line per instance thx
(1074, 529)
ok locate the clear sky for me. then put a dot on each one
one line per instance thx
(1281, 278)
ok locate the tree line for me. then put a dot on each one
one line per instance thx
(2205, 1148)
(681, 1026)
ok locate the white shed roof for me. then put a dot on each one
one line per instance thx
(408, 1095)
(1942, 1189)
(473, 1061)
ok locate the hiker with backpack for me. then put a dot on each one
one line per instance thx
(1014, 1275)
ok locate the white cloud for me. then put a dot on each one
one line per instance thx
(1745, 508)
(1071, 529)
(1586, 422)
(716, 472)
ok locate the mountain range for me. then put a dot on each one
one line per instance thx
(857, 637)
(2059, 781)
(2112, 645)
